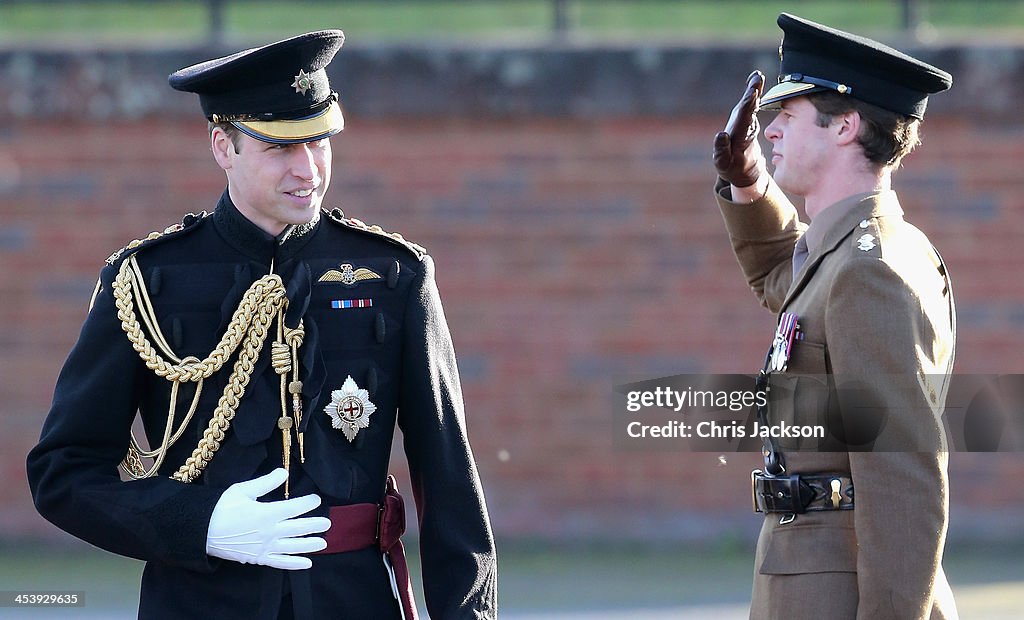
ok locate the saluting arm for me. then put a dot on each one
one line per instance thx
(763, 234)
(762, 223)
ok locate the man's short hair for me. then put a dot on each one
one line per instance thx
(233, 133)
(886, 137)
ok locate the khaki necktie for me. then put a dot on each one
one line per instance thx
(799, 255)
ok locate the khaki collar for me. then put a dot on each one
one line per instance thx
(835, 223)
(837, 220)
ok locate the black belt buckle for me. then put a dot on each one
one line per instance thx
(776, 494)
(753, 489)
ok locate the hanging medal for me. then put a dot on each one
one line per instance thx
(782, 344)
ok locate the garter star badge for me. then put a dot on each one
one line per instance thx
(350, 408)
(302, 82)
(349, 275)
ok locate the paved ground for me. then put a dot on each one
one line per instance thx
(701, 612)
(541, 583)
(999, 601)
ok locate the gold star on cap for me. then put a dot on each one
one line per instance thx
(302, 82)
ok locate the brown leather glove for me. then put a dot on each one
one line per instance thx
(738, 157)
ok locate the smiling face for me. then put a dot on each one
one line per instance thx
(801, 148)
(274, 185)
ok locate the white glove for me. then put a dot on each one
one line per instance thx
(252, 532)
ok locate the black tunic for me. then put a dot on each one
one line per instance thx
(399, 349)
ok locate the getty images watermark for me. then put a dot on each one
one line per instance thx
(690, 424)
(734, 413)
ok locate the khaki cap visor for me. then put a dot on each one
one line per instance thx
(785, 90)
(324, 124)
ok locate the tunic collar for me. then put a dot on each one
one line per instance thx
(833, 224)
(841, 217)
(253, 241)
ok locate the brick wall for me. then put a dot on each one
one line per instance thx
(572, 251)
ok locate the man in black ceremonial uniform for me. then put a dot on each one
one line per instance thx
(270, 348)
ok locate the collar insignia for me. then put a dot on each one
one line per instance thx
(865, 243)
(349, 276)
(302, 82)
(350, 408)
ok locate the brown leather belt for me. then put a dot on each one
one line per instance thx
(800, 493)
(360, 526)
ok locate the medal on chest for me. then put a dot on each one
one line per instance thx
(350, 408)
(782, 345)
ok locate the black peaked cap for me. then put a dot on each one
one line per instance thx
(815, 57)
(261, 83)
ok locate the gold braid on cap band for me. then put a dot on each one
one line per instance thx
(264, 301)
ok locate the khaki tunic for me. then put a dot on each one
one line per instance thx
(873, 305)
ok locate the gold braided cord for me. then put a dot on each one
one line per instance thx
(280, 356)
(148, 314)
(295, 337)
(170, 415)
(237, 382)
(267, 291)
(281, 360)
(284, 359)
(262, 302)
(132, 464)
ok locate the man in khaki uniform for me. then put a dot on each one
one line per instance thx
(863, 300)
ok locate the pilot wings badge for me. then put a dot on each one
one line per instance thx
(350, 408)
(349, 275)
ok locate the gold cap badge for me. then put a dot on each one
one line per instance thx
(302, 82)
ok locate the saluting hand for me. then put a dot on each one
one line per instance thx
(268, 533)
(737, 156)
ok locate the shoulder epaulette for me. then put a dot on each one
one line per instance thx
(338, 217)
(186, 223)
(867, 238)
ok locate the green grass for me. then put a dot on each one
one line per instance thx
(747, 17)
(184, 21)
(999, 14)
(433, 19)
(23, 20)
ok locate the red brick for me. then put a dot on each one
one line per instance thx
(544, 273)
